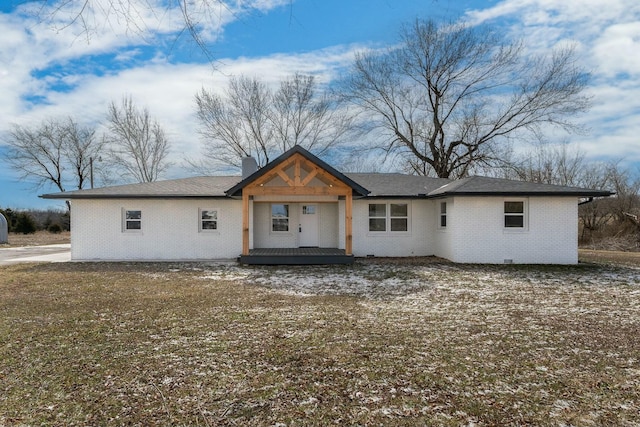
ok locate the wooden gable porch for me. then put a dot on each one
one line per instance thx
(295, 177)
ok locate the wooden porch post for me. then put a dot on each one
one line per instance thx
(245, 223)
(348, 226)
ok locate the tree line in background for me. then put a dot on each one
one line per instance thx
(449, 100)
(611, 222)
(30, 221)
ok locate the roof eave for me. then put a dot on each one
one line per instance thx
(62, 196)
(522, 194)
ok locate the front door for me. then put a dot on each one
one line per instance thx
(308, 228)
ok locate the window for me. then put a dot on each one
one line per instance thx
(279, 217)
(392, 217)
(514, 214)
(132, 220)
(208, 220)
(378, 217)
(443, 214)
(399, 217)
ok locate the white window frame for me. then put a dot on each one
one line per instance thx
(201, 220)
(126, 221)
(388, 218)
(392, 217)
(442, 214)
(378, 218)
(524, 215)
(288, 218)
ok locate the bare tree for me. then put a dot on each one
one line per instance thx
(552, 164)
(137, 143)
(617, 218)
(88, 18)
(252, 119)
(237, 124)
(57, 152)
(301, 116)
(450, 96)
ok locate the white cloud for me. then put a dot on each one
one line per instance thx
(168, 90)
(606, 33)
(607, 36)
(616, 50)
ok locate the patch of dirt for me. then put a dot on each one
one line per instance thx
(38, 238)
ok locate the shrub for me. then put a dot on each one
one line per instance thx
(25, 224)
(54, 228)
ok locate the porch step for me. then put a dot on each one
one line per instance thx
(295, 256)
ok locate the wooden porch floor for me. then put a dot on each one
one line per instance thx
(296, 256)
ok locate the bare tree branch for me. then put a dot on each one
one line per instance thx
(451, 94)
(137, 143)
(252, 119)
(56, 152)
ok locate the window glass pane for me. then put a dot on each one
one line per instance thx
(514, 221)
(134, 225)
(134, 214)
(398, 224)
(377, 224)
(514, 207)
(443, 208)
(398, 210)
(209, 225)
(209, 215)
(280, 211)
(377, 210)
(443, 220)
(280, 224)
(309, 210)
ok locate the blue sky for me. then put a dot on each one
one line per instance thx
(49, 71)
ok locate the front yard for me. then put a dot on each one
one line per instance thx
(418, 342)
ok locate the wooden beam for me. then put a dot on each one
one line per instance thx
(296, 173)
(294, 191)
(307, 179)
(245, 223)
(348, 224)
(286, 178)
(330, 179)
(273, 173)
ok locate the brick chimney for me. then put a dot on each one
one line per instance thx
(249, 166)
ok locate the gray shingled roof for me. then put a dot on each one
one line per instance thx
(204, 186)
(378, 184)
(484, 186)
(397, 184)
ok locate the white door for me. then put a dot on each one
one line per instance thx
(308, 228)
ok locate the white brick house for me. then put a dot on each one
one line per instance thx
(298, 209)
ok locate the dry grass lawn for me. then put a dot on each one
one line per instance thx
(631, 259)
(377, 343)
(36, 239)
